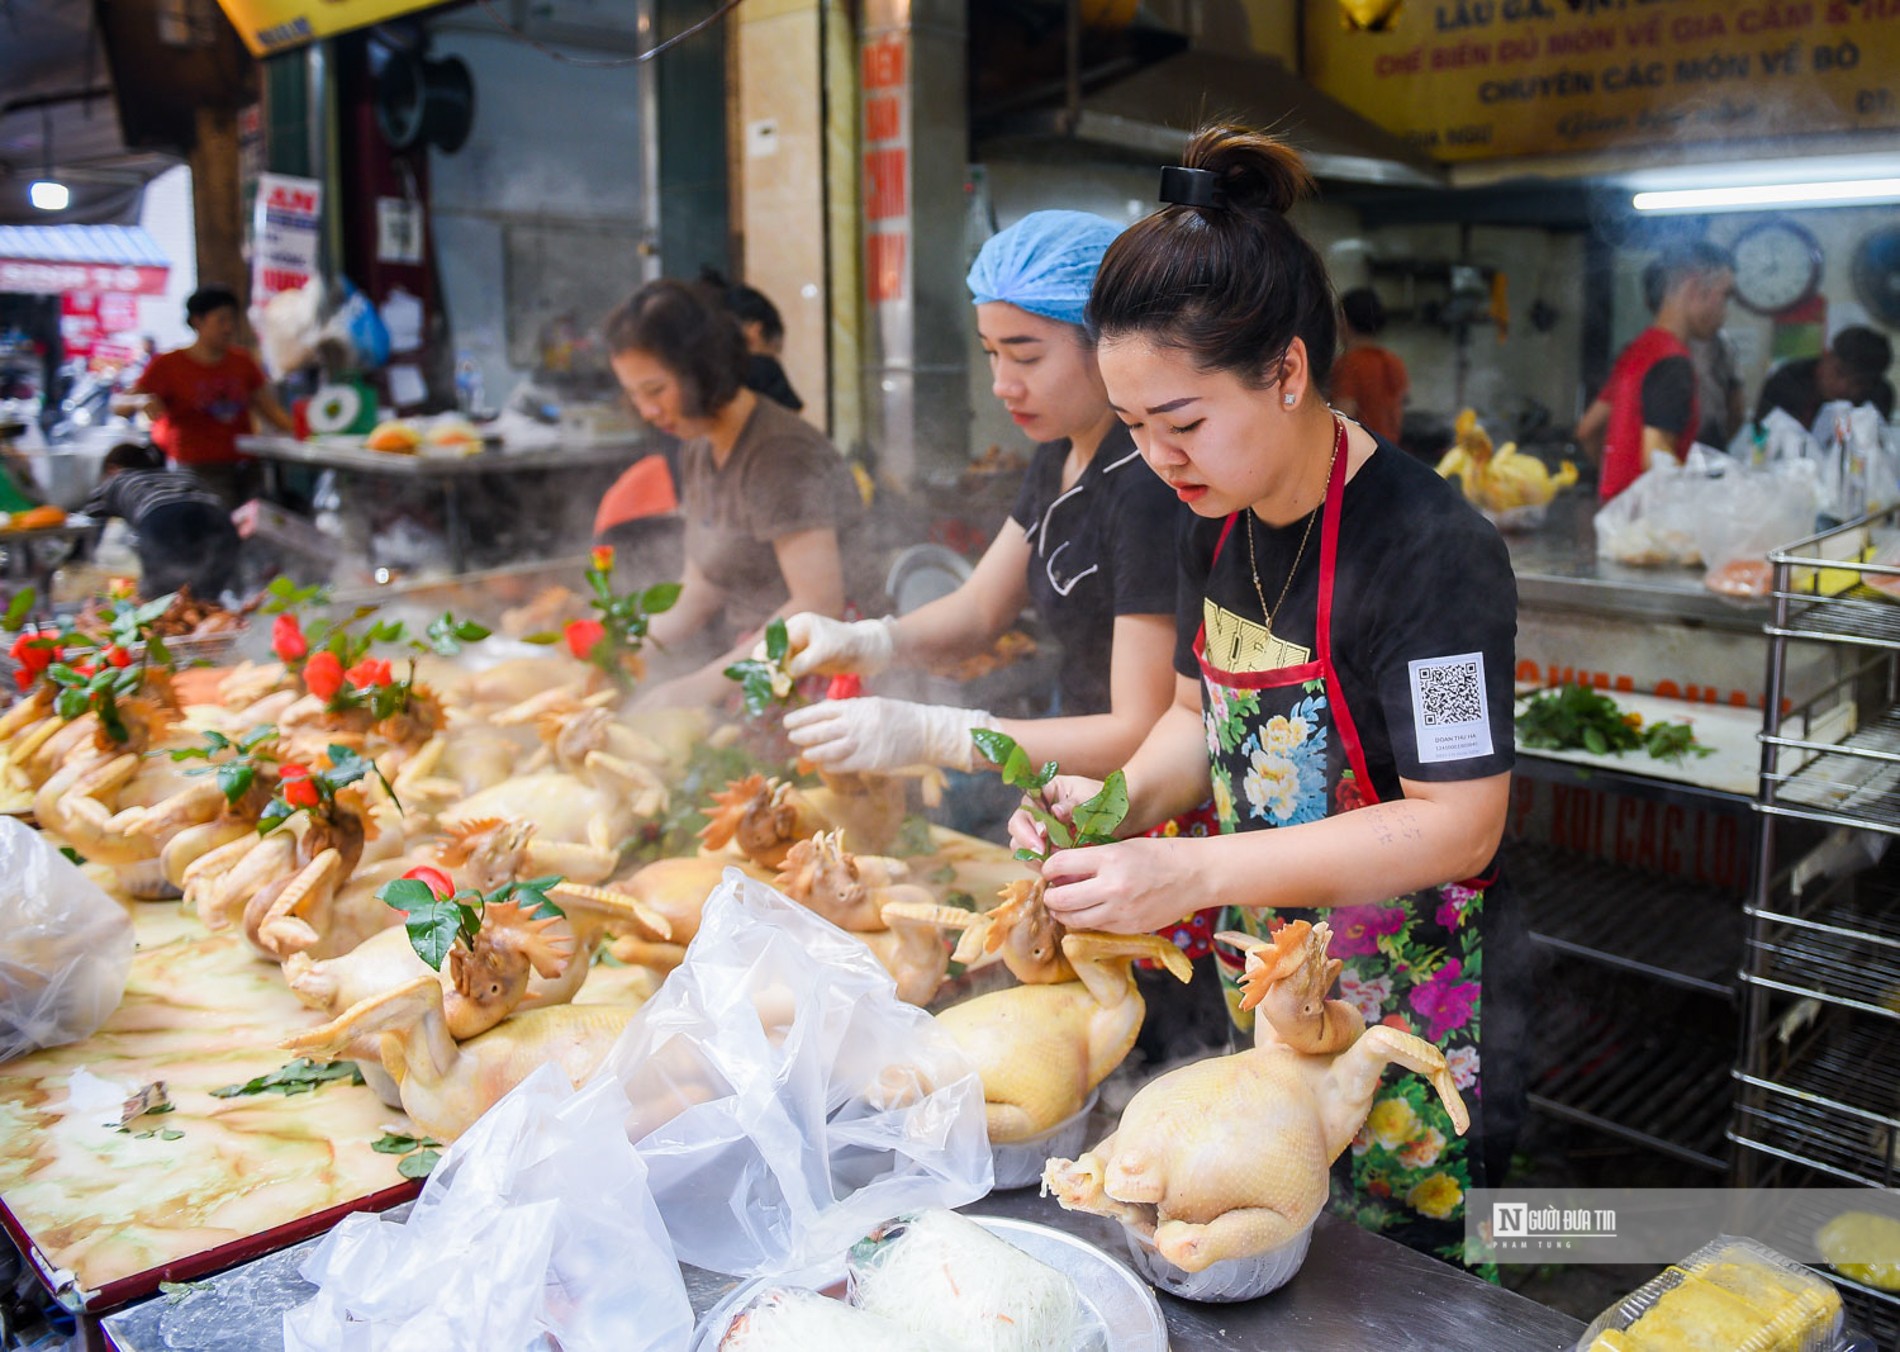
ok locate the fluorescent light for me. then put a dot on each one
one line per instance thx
(49, 194)
(1839, 192)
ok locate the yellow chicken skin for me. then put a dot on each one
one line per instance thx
(1228, 1157)
(1503, 479)
(444, 1085)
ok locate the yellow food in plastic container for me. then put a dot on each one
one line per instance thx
(1732, 1295)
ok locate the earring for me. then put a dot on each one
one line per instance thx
(1289, 401)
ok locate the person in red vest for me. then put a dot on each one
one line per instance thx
(202, 398)
(1649, 402)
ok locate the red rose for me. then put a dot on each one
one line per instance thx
(583, 636)
(118, 656)
(438, 881)
(603, 558)
(323, 675)
(302, 792)
(286, 639)
(33, 652)
(290, 770)
(369, 672)
(848, 685)
(86, 669)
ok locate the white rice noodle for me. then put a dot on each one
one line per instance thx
(791, 1319)
(945, 1273)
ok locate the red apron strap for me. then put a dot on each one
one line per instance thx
(1323, 639)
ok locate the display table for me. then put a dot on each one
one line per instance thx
(1357, 1291)
(104, 1215)
(450, 474)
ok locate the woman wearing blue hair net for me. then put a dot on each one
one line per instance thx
(1090, 541)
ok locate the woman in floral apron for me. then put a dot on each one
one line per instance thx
(1344, 664)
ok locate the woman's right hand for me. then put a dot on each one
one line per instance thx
(817, 645)
(1060, 798)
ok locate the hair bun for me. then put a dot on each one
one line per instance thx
(1257, 171)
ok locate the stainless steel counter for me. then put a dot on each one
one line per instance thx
(349, 454)
(1356, 1291)
(1557, 567)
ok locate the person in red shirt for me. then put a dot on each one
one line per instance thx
(1369, 381)
(202, 398)
(1649, 402)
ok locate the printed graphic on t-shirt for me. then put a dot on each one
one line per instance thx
(1241, 645)
(1449, 713)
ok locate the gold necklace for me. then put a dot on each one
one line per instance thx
(1253, 568)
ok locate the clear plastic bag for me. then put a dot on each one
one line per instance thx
(65, 946)
(1652, 523)
(535, 1231)
(1745, 513)
(784, 1100)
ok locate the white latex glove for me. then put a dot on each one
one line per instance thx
(827, 647)
(870, 734)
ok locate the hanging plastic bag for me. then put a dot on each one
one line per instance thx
(536, 1230)
(65, 946)
(357, 324)
(784, 1100)
(1860, 470)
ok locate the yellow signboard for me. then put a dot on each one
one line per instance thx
(1490, 78)
(277, 25)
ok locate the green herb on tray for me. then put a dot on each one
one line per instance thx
(302, 1076)
(1575, 717)
(420, 1154)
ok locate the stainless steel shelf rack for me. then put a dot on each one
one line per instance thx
(1818, 1077)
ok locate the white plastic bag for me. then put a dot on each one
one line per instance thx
(1860, 470)
(65, 946)
(784, 1100)
(535, 1231)
(1653, 521)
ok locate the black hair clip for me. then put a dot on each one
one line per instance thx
(1184, 187)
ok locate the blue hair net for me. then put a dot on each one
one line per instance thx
(1045, 263)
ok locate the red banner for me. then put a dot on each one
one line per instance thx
(36, 277)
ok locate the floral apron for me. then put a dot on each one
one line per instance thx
(1284, 750)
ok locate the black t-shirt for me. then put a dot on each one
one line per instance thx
(1102, 549)
(765, 376)
(1424, 601)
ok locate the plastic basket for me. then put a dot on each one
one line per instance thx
(1019, 1164)
(1734, 1295)
(1229, 1279)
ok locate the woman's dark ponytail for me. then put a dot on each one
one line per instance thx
(1232, 283)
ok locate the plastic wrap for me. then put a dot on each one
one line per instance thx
(1733, 1295)
(1229, 1279)
(1653, 522)
(784, 1100)
(65, 946)
(536, 1230)
(768, 1317)
(1747, 512)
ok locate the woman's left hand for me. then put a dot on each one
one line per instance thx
(1130, 887)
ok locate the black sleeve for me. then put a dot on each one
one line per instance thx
(1194, 554)
(1032, 497)
(1445, 671)
(1141, 542)
(1669, 395)
(101, 503)
(1882, 398)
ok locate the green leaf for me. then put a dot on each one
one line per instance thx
(171, 1134)
(1017, 772)
(61, 673)
(1097, 819)
(405, 894)
(235, 779)
(1044, 775)
(18, 609)
(1595, 742)
(346, 767)
(659, 597)
(777, 642)
(102, 678)
(71, 854)
(301, 1076)
(1060, 834)
(151, 610)
(994, 745)
(256, 737)
(275, 814)
(433, 927)
(544, 639)
(70, 703)
(1028, 856)
(177, 1291)
(391, 1144)
(156, 652)
(418, 1165)
(532, 895)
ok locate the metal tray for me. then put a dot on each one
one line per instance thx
(1122, 1303)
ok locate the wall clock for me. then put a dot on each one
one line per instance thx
(1777, 266)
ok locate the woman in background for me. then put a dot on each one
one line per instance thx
(763, 494)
